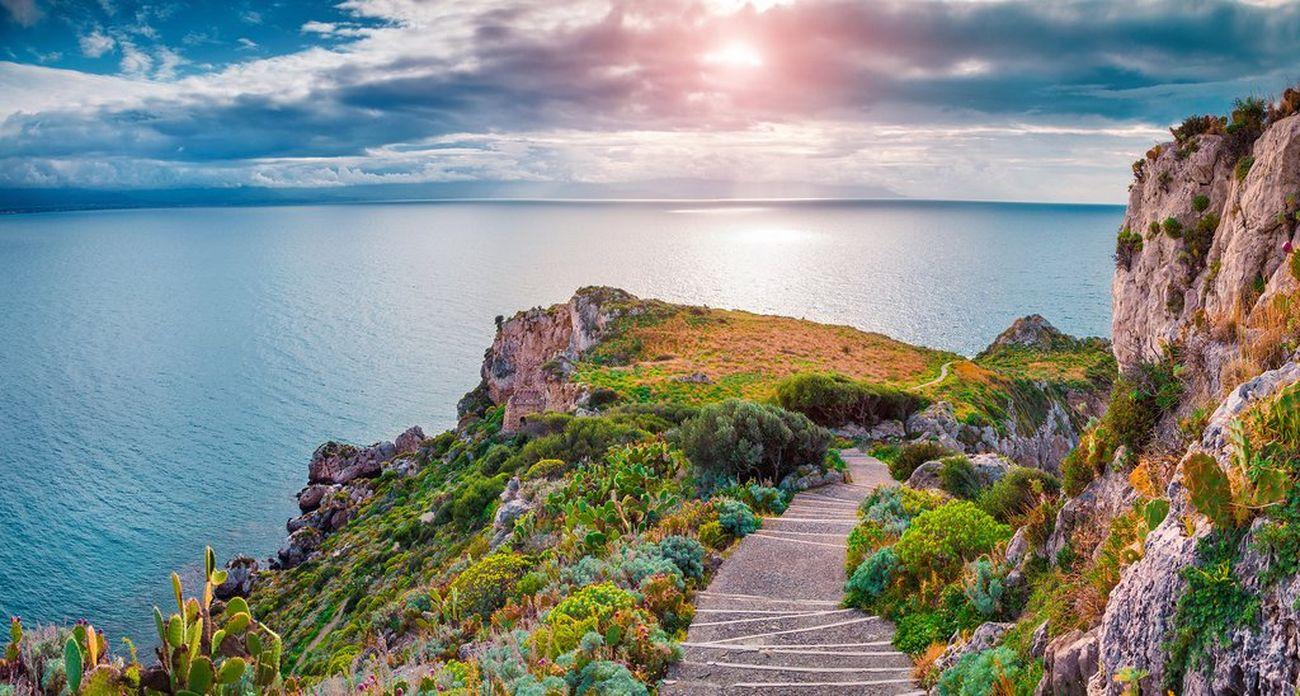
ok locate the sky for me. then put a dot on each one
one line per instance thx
(1038, 100)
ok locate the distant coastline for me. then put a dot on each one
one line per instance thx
(51, 201)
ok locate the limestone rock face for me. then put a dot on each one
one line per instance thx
(512, 506)
(534, 352)
(1042, 448)
(1070, 661)
(1100, 502)
(1264, 659)
(1215, 310)
(241, 572)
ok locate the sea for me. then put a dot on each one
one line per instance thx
(166, 373)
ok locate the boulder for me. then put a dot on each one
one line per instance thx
(1033, 332)
(310, 497)
(989, 469)
(300, 546)
(1070, 661)
(808, 476)
(513, 505)
(409, 441)
(888, 431)
(241, 571)
(1100, 502)
(985, 636)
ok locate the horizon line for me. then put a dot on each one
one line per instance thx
(96, 207)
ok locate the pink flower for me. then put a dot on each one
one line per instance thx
(1286, 248)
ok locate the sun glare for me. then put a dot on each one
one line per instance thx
(736, 55)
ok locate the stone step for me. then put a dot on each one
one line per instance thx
(823, 629)
(798, 656)
(731, 674)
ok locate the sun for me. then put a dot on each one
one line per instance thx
(736, 54)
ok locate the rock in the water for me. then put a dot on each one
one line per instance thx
(240, 574)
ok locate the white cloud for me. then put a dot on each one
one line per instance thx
(246, 43)
(25, 12)
(168, 61)
(96, 43)
(314, 27)
(135, 62)
(252, 17)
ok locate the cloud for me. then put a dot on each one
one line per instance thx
(246, 43)
(96, 43)
(25, 12)
(998, 92)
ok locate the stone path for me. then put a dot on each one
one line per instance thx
(771, 623)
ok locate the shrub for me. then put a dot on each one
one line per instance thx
(1243, 167)
(1200, 202)
(1295, 265)
(482, 588)
(736, 518)
(598, 602)
(768, 500)
(834, 400)
(746, 440)
(864, 540)
(1172, 227)
(940, 541)
(475, 501)
(1128, 245)
(871, 578)
(606, 678)
(915, 455)
(714, 536)
(1016, 492)
(984, 587)
(913, 633)
(981, 673)
(958, 477)
(1213, 604)
(1193, 126)
(685, 553)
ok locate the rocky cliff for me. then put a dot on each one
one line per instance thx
(1201, 258)
(1205, 278)
(534, 352)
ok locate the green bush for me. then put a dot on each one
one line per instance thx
(1017, 492)
(979, 674)
(913, 633)
(736, 518)
(957, 476)
(475, 502)
(1172, 227)
(940, 541)
(1213, 604)
(871, 578)
(1243, 167)
(598, 601)
(714, 536)
(984, 588)
(685, 553)
(766, 499)
(606, 678)
(1200, 202)
(746, 440)
(482, 588)
(1128, 245)
(833, 400)
(915, 455)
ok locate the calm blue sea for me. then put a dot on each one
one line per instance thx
(165, 374)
